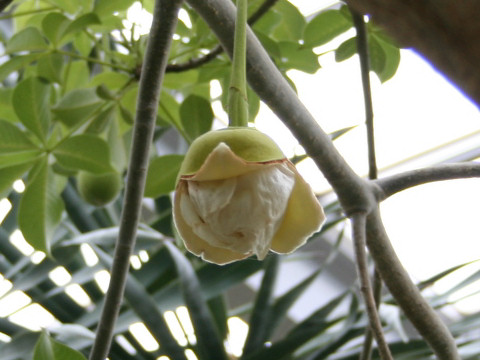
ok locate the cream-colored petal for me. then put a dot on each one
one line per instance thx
(211, 196)
(194, 243)
(303, 217)
(254, 213)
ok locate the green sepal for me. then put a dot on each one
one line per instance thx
(248, 143)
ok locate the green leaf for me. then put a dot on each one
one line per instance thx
(296, 56)
(9, 174)
(81, 23)
(169, 110)
(77, 106)
(118, 148)
(391, 59)
(325, 27)
(196, 115)
(210, 345)
(100, 121)
(6, 109)
(17, 63)
(30, 101)
(40, 208)
(84, 152)
(49, 349)
(28, 39)
(292, 25)
(346, 50)
(110, 79)
(377, 56)
(312, 326)
(20, 346)
(258, 329)
(77, 75)
(283, 303)
(17, 158)
(72, 7)
(107, 7)
(12, 139)
(147, 310)
(50, 67)
(162, 175)
(54, 25)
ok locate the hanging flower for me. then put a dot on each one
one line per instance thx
(237, 195)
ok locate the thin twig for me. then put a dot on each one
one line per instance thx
(364, 56)
(377, 296)
(217, 50)
(163, 26)
(359, 233)
(393, 184)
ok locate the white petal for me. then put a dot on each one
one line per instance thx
(211, 196)
(241, 215)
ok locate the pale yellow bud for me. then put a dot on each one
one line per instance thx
(231, 204)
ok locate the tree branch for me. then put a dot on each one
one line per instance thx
(163, 27)
(217, 50)
(444, 31)
(359, 228)
(407, 295)
(399, 182)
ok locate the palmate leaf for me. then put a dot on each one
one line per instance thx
(12, 139)
(162, 175)
(11, 173)
(50, 67)
(40, 207)
(54, 25)
(77, 106)
(30, 101)
(16, 63)
(84, 152)
(29, 39)
(296, 56)
(326, 26)
(196, 116)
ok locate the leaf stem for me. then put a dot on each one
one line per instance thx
(163, 27)
(23, 13)
(237, 96)
(93, 60)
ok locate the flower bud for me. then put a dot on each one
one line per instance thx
(237, 195)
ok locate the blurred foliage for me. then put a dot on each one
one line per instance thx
(69, 79)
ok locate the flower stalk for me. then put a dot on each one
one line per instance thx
(237, 95)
